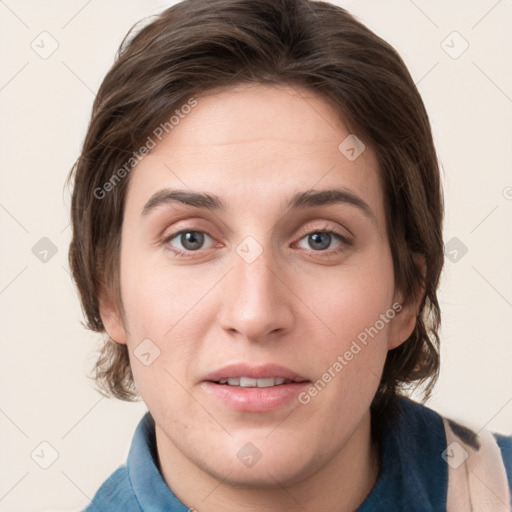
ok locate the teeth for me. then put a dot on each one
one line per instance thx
(249, 382)
(265, 383)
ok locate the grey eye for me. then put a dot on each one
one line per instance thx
(192, 240)
(188, 239)
(319, 241)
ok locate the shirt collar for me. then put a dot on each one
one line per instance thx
(149, 487)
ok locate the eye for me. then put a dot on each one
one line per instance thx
(190, 241)
(321, 240)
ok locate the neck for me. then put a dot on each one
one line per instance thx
(342, 483)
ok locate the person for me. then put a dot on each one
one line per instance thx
(257, 232)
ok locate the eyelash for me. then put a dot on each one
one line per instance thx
(345, 241)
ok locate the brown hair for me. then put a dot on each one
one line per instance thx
(196, 46)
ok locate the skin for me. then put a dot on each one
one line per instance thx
(294, 305)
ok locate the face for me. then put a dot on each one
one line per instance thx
(236, 263)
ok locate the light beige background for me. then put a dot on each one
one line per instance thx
(45, 106)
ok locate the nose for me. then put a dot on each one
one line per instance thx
(256, 300)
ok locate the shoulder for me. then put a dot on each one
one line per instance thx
(479, 464)
(116, 493)
(419, 416)
(505, 444)
(429, 448)
(470, 437)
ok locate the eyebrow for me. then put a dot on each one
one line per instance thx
(299, 201)
(196, 199)
(312, 198)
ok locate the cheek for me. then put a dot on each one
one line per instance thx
(354, 305)
(159, 299)
(166, 306)
(353, 298)
(350, 358)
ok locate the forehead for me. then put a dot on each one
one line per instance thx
(256, 143)
(252, 116)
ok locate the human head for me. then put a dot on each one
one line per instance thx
(195, 47)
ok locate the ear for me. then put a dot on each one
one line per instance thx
(404, 322)
(111, 318)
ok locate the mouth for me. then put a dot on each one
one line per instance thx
(242, 387)
(250, 382)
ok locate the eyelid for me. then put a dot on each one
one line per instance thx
(186, 224)
(328, 228)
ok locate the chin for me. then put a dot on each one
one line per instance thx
(267, 468)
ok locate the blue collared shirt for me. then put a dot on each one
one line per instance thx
(413, 475)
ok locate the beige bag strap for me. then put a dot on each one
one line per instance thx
(477, 479)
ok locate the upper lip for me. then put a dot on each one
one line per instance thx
(254, 372)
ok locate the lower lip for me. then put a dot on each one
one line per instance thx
(255, 399)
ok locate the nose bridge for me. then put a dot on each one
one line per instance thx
(255, 279)
(254, 302)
